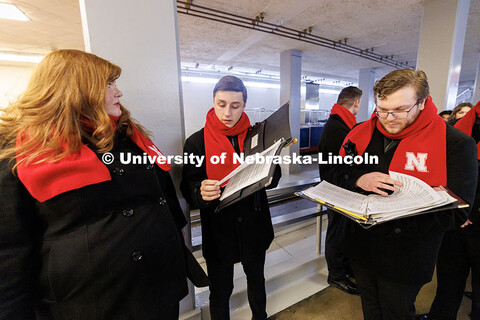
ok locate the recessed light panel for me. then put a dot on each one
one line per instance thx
(9, 11)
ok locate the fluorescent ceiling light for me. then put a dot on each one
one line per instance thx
(261, 85)
(4, 56)
(328, 91)
(199, 80)
(10, 11)
(214, 81)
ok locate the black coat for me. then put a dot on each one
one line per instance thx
(333, 134)
(405, 250)
(240, 232)
(475, 214)
(111, 250)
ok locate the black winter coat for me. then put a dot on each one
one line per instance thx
(475, 214)
(242, 231)
(111, 250)
(333, 134)
(406, 250)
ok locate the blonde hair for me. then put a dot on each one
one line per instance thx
(65, 92)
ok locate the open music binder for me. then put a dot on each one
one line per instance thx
(264, 140)
(414, 197)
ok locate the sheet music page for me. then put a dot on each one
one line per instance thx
(343, 198)
(247, 174)
(446, 199)
(413, 194)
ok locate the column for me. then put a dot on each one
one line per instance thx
(142, 38)
(441, 47)
(476, 87)
(366, 81)
(290, 82)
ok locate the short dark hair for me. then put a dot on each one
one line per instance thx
(348, 96)
(231, 83)
(398, 79)
(448, 112)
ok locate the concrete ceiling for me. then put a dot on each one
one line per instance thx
(392, 27)
(54, 24)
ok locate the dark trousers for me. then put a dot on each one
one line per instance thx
(171, 312)
(459, 252)
(221, 287)
(384, 299)
(337, 262)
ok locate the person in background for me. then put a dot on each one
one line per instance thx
(341, 121)
(82, 238)
(393, 260)
(458, 112)
(445, 114)
(243, 231)
(459, 253)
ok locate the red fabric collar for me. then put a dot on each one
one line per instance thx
(150, 148)
(216, 143)
(422, 151)
(347, 117)
(48, 179)
(465, 124)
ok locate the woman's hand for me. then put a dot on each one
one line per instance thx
(373, 181)
(210, 190)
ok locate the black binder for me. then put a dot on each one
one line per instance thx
(367, 223)
(259, 138)
(264, 134)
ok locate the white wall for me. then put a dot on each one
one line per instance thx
(327, 100)
(13, 80)
(146, 48)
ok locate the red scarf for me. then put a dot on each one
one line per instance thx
(216, 143)
(347, 117)
(48, 179)
(465, 124)
(422, 151)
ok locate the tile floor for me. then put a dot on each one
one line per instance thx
(286, 245)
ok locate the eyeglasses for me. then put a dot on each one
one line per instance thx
(112, 84)
(395, 114)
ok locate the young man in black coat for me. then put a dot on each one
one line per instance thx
(242, 232)
(392, 261)
(341, 121)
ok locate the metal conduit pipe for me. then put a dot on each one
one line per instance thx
(188, 8)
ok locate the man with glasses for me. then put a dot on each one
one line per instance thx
(393, 260)
(341, 121)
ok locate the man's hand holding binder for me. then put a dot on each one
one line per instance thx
(378, 182)
(210, 190)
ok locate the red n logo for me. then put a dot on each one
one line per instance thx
(417, 161)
